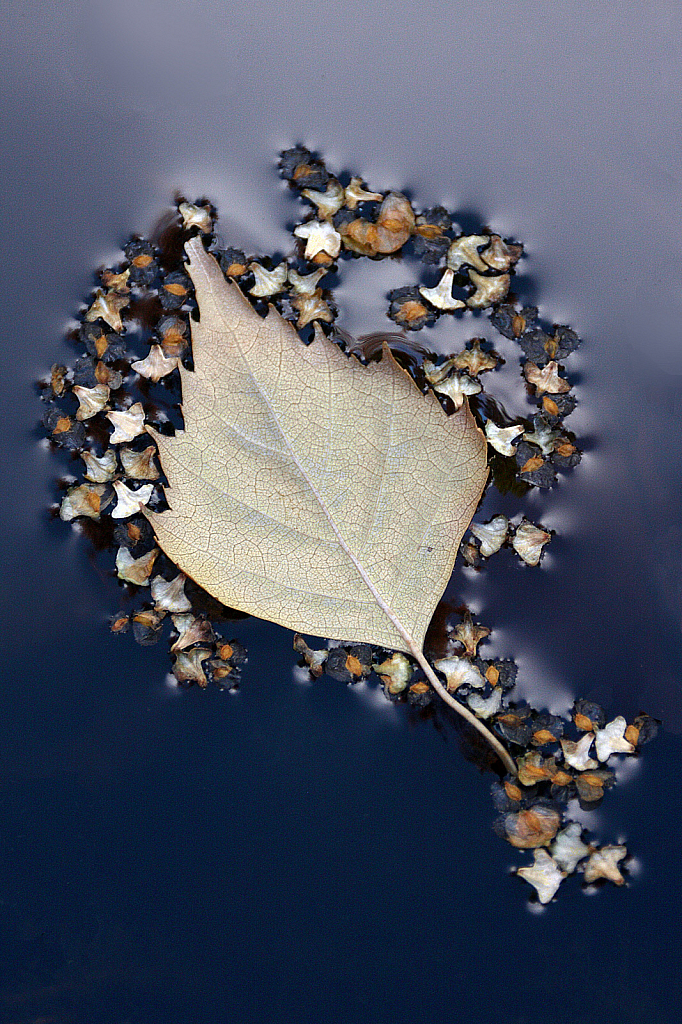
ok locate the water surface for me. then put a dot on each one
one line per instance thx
(293, 852)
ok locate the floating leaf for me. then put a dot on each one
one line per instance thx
(280, 510)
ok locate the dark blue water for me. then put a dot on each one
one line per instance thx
(297, 852)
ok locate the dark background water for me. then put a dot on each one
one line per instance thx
(302, 853)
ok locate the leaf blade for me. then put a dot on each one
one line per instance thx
(269, 481)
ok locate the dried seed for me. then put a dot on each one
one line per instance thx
(128, 423)
(327, 202)
(135, 570)
(545, 876)
(268, 282)
(500, 438)
(529, 541)
(194, 216)
(489, 290)
(395, 672)
(129, 501)
(604, 864)
(107, 306)
(139, 465)
(577, 754)
(485, 707)
(531, 828)
(156, 365)
(99, 470)
(492, 535)
(441, 296)
(169, 595)
(84, 500)
(474, 360)
(321, 237)
(464, 252)
(568, 848)
(546, 379)
(91, 400)
(611, 739)
(460, 672)
(356, 193)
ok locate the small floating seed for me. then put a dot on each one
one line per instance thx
(91, 400)
(156, 365)
(395, 672)
(531, 828)
(464, 252)
(129, 501)
(188, 666)
(147, 626)
(306, 284)
(542, 435)
(174, 290)
(394, 224)
(268, 282)
(456, 386)
(408, 310)
(568, 848)
(234, 262)
(529, 541)
(474, 360)
(604, 864)
(492, 535)
(135, 570)
(58, 380)
(470, 634)
(311, 308)
(546, 379)
(513, 323)
(116, 281)
(99, 470)
(321, 237)
(489, 290)
(192, 629)
(327, 202)
(460, 672)
(356, 193)
(545, 876)
(498, 255)
(139, 465)
(441, 296)
(485, 707)
(577, 754)
(194, 216)
(83, 500)
(315, 660)
(128, 423)
(169, 595)
(500, 438)
(591, 785)
(107, 306)
(611, 739)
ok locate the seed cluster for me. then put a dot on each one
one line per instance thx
(133, 335)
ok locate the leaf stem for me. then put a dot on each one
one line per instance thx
(500, 750)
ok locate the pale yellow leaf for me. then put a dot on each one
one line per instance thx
(309, 489)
